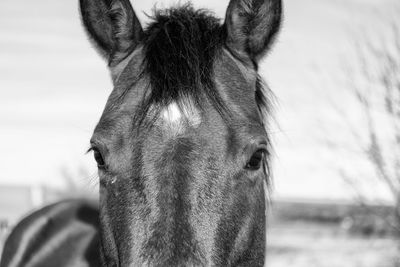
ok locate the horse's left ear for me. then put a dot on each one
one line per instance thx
(112, 26)
(252, 26)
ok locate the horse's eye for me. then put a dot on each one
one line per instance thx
(256, 160)
(99, 158)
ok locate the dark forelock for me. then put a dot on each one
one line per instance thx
(180, 46)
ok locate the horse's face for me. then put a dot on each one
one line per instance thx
(181, 146)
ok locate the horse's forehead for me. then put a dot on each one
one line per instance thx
(128, 68)
(129, 86)
(231, 77)
(238, 68)
(236, 82)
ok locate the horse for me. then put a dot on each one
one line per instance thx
(182, 146)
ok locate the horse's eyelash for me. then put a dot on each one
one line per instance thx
(91, 148)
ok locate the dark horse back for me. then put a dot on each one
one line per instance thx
(62, 234)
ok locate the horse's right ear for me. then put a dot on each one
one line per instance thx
(113, 27)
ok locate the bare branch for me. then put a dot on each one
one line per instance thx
(375, 83)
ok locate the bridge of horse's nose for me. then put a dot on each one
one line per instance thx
(175, 164)
(171, 238)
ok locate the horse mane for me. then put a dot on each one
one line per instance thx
(264, 101)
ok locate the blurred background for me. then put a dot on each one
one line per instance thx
(335, 72)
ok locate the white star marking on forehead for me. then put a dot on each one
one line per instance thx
(172, 113)
(176, 119)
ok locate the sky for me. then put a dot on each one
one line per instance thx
(53, 88)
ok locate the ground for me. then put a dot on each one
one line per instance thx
(322, 245)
